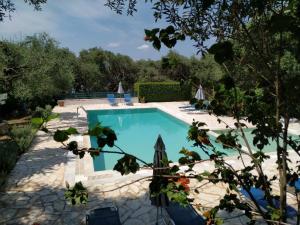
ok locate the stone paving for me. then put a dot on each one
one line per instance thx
(35, 189)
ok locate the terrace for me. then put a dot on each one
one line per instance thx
(35, 188)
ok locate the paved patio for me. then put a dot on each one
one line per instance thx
(35, 188)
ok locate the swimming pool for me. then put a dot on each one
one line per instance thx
(137, 131)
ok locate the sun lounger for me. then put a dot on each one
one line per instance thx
(205, 104)
(259, 196)
(181, 215)
(127, 99)
(111, 99)
(191, 108)
(293, 187)
(103, 216)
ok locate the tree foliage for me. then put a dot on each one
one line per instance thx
(35, 70)
(257, 40)
(7, 7)
(100, 70)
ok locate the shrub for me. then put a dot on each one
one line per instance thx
(43, 112)
(23, 136)
(8, 157)
(42, 116)
(162, 91)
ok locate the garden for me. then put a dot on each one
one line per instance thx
(251, 74)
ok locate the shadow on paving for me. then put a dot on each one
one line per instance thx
(69, 119)
(35, 166)
(48, 206)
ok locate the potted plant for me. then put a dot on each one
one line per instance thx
(61, 103)
(142, 100)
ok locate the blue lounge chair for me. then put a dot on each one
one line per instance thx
(294, 186)
(127, 99)
(192, 107)
(259, 196)
(181, 215)
(103, 216)
(206, 104)
(111, 99)
(297, 184)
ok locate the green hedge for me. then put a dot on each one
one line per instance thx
(162, 91)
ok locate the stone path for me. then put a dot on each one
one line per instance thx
(35, 190)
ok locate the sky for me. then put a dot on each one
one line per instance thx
(83, 24)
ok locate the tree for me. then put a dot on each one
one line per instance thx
(48, 73)
(149, 70)
(263, 32)
(88, 74)
(100, 70)
(176, 66)
(205, 71)
(34, 71)
(8, 6)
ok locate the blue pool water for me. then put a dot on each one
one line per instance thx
(137, 131)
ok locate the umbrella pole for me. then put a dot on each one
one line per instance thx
(157, 215)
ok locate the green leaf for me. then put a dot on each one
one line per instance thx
(184, 151)
(81, 154)
(170, 29)
(52, 117)
(96, 131)
(60, 136)
(101, 141)
(199, 178)
(155, 31)
(71, 130)
(94, 153)
(37, 121)
(227, 140)
(76, 195)
(44, 129)
(151, 33)
(111, 136)
(195, 156)
(180, 37)
(148, 33)
(183, 160)
(222, 51)
(127, 164)
(174, 169)
(156, 43)
(73, 145)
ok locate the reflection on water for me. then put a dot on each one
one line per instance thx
(120, 121)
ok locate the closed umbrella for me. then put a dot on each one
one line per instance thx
(160, 160)
(200, 94)
(120, 89)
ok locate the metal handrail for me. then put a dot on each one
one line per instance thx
(81, 107)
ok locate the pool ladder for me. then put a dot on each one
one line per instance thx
(81, 107)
